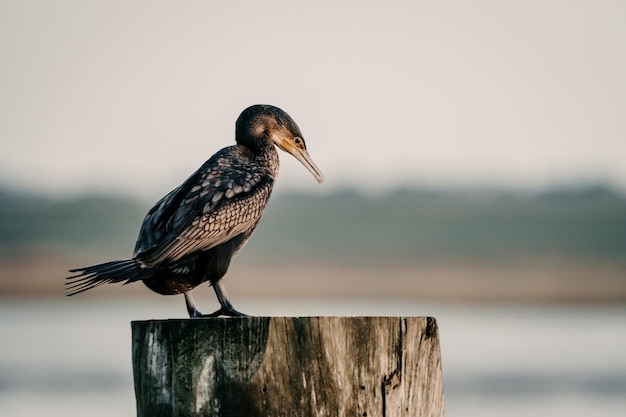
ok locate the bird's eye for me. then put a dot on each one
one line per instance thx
(297, 140)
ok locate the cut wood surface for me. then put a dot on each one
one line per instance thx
(288, 366)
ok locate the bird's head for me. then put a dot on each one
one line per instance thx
(263, 123)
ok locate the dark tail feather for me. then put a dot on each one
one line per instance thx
(125, 271)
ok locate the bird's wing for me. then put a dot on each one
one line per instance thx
(223, 199)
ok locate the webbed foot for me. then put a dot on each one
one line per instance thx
(225, 311)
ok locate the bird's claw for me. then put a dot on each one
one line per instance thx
(224, 311)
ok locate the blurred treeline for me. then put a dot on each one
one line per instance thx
(349, 226)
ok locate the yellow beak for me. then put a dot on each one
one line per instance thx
(297, 148)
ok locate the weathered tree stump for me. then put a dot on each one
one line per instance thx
(288, 366)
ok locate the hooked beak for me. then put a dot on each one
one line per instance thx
(298, 150)
(303, 156)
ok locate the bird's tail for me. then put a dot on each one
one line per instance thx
(124, 271)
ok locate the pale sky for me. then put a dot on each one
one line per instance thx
(133, 96)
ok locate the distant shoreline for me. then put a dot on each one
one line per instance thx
(562, 245)
(541, 281)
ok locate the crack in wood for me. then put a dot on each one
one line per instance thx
(290, 366)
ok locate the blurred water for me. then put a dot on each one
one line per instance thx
(71, 357)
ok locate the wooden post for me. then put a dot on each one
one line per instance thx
(288, 366)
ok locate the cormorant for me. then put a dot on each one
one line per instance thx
(190, 235)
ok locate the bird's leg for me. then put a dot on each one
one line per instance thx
(227, 308)
(191, 306)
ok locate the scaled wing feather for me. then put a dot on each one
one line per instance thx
(223, 199)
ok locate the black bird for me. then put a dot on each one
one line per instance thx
(190, 235)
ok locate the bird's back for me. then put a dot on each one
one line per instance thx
(221, 200)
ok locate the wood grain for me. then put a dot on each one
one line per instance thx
(288, 366)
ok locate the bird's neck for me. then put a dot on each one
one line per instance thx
(266, 156)
(269, 158)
